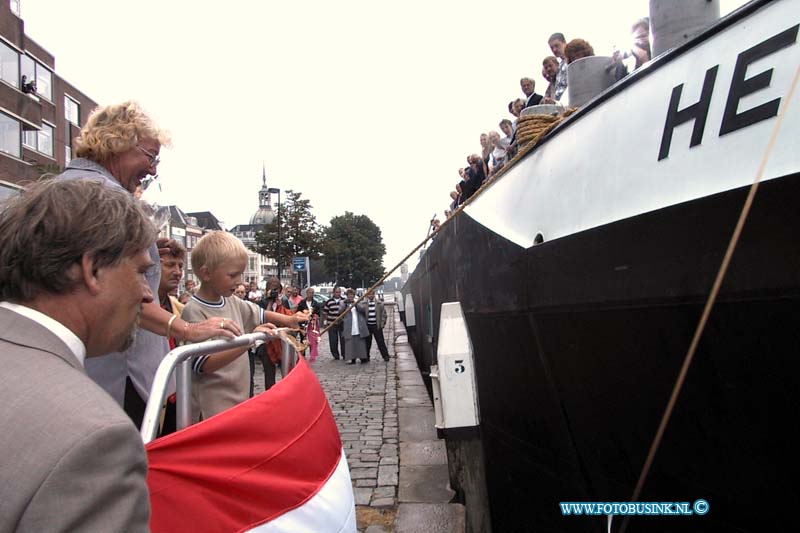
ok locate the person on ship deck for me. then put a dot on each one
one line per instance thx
(578, 49)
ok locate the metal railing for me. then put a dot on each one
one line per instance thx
(180, 359)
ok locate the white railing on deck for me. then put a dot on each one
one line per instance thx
(180, 358)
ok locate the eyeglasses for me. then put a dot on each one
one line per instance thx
(154, 159)
(147, 181)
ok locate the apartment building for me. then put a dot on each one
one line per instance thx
(40, 112)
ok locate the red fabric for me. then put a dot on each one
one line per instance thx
(275, 347)
(247, 465)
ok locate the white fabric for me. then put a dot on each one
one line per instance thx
(254, 294)
(331, 510)
(354, 329)
(58, 329)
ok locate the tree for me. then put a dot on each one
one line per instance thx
(48, 170)
(300, 235)
(353, 249)
(319, 272)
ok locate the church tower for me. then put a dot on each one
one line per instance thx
(264, 214)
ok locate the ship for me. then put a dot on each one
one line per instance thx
(581, 275)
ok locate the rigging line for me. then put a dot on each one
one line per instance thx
(711, 299)
(523, 151)
(484, 186)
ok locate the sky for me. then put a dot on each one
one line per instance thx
(363, 106)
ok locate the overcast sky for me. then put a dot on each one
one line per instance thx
(362, 106)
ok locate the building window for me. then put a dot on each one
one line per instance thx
(72, 110)
(46, 140)
(7, 191)
(41, 140)
(10, 136)
(35, 78)
(67, 150)
(29, 138)
(44, 82)
(9, 65)
(252, 264)
(27, 72)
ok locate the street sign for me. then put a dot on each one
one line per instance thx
(299, 264)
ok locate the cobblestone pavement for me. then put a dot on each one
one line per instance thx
(363, 398)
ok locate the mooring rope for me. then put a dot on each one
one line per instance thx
(711, 300)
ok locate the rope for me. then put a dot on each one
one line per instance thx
(530, 127)
(530, 130)
(552, 122)
(710, 302)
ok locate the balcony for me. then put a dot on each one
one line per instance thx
(22, 105)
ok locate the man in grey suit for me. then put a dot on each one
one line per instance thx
(73, 257)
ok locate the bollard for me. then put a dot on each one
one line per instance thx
(673, 22)
(553, 110)
(587, 77)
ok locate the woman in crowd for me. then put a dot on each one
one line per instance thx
(486, 149)
(499, 147)
(355, 330)
(475, 175)
(270, 353)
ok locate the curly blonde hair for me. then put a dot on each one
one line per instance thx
(116, 128)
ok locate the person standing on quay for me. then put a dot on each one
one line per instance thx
(312, 326)
(333, 308)
(354, 330)
(376, 320)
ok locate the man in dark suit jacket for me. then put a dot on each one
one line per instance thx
(531, 98)
(71, 287)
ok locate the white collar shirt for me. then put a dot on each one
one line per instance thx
(58, 329)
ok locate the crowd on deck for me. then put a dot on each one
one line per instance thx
(496, 150)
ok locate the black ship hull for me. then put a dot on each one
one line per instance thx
(578, 343)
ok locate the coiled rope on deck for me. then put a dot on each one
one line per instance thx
(533, 128)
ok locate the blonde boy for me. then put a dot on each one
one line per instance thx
(222, 380)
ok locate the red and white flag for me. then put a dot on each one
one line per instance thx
(273, 463)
